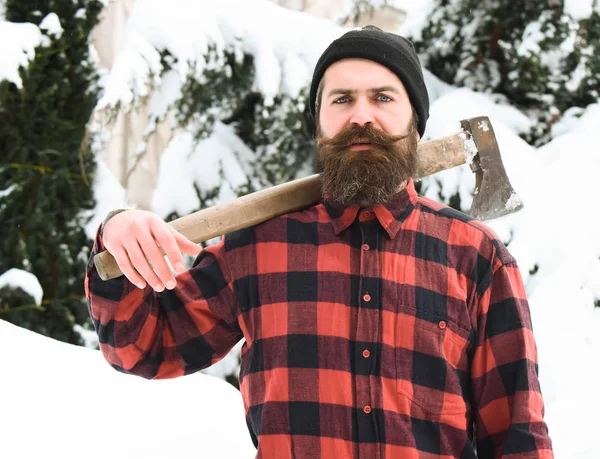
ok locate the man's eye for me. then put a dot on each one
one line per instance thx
(384, 98)
(341, 100)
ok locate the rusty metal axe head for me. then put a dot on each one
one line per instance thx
(494, 196)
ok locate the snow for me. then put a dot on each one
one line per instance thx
(580, 9)
(5, 192)
(89, 337)
(17, 278)
(417, 14)
(75, 405)
(229, 365)
(109, 194)
(283, 62)
(469, 146)
(532, 36)
(186, 162)
(483, 126)
(18, 48)
(51, 24)
(166, 95)
(514, 202)
(19, 41)
(581, 72)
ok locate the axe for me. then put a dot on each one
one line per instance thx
(475, 144)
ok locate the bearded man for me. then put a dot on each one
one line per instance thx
(377, 323)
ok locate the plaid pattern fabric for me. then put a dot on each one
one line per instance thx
(401, 331)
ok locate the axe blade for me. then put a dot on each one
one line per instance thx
(494, 196)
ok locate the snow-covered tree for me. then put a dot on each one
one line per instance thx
(274, 130)
(543, 57)
(46, 167)
(233, 93)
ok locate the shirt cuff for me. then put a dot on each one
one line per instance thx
(110, 215)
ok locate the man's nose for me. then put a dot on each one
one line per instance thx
(362, 114)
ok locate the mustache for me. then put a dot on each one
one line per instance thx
(354, 134)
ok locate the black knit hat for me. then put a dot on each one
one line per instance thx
(388, 49)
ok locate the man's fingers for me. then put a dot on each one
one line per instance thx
(138, 260)
(127, 268)
(167, 241)
(185, 244)
(155, 257)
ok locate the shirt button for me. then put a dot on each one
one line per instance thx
(442, 324)
(367, 297)
(365, 247)
(367, 409)
(366, 354)
(368, 213)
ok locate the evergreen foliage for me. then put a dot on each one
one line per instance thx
(533, 53)
(46, 169)
(276, 131)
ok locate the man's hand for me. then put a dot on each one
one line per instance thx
(134, 239)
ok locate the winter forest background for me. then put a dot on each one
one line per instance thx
(204, 101)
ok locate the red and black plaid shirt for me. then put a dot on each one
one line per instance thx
(401, 331)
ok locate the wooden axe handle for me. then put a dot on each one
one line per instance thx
(432, 156)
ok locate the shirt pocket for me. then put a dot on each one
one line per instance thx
(432, 363)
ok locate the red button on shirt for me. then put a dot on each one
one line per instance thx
(442, 324)
(366, 353)
(367, 409)
(367, 297)
(365, 247)
(368, 213)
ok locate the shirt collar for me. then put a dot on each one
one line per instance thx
(390, 215)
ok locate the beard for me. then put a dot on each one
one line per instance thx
(366, 177)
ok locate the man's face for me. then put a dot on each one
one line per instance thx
(366, 134)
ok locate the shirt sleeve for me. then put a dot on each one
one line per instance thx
(509, 408)
(167, 334)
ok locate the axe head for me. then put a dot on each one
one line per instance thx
(494, 196)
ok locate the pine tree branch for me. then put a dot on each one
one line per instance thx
(45, 169)
(84, 146)
(5, 308)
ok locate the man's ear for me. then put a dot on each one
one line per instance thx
(418, 136)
